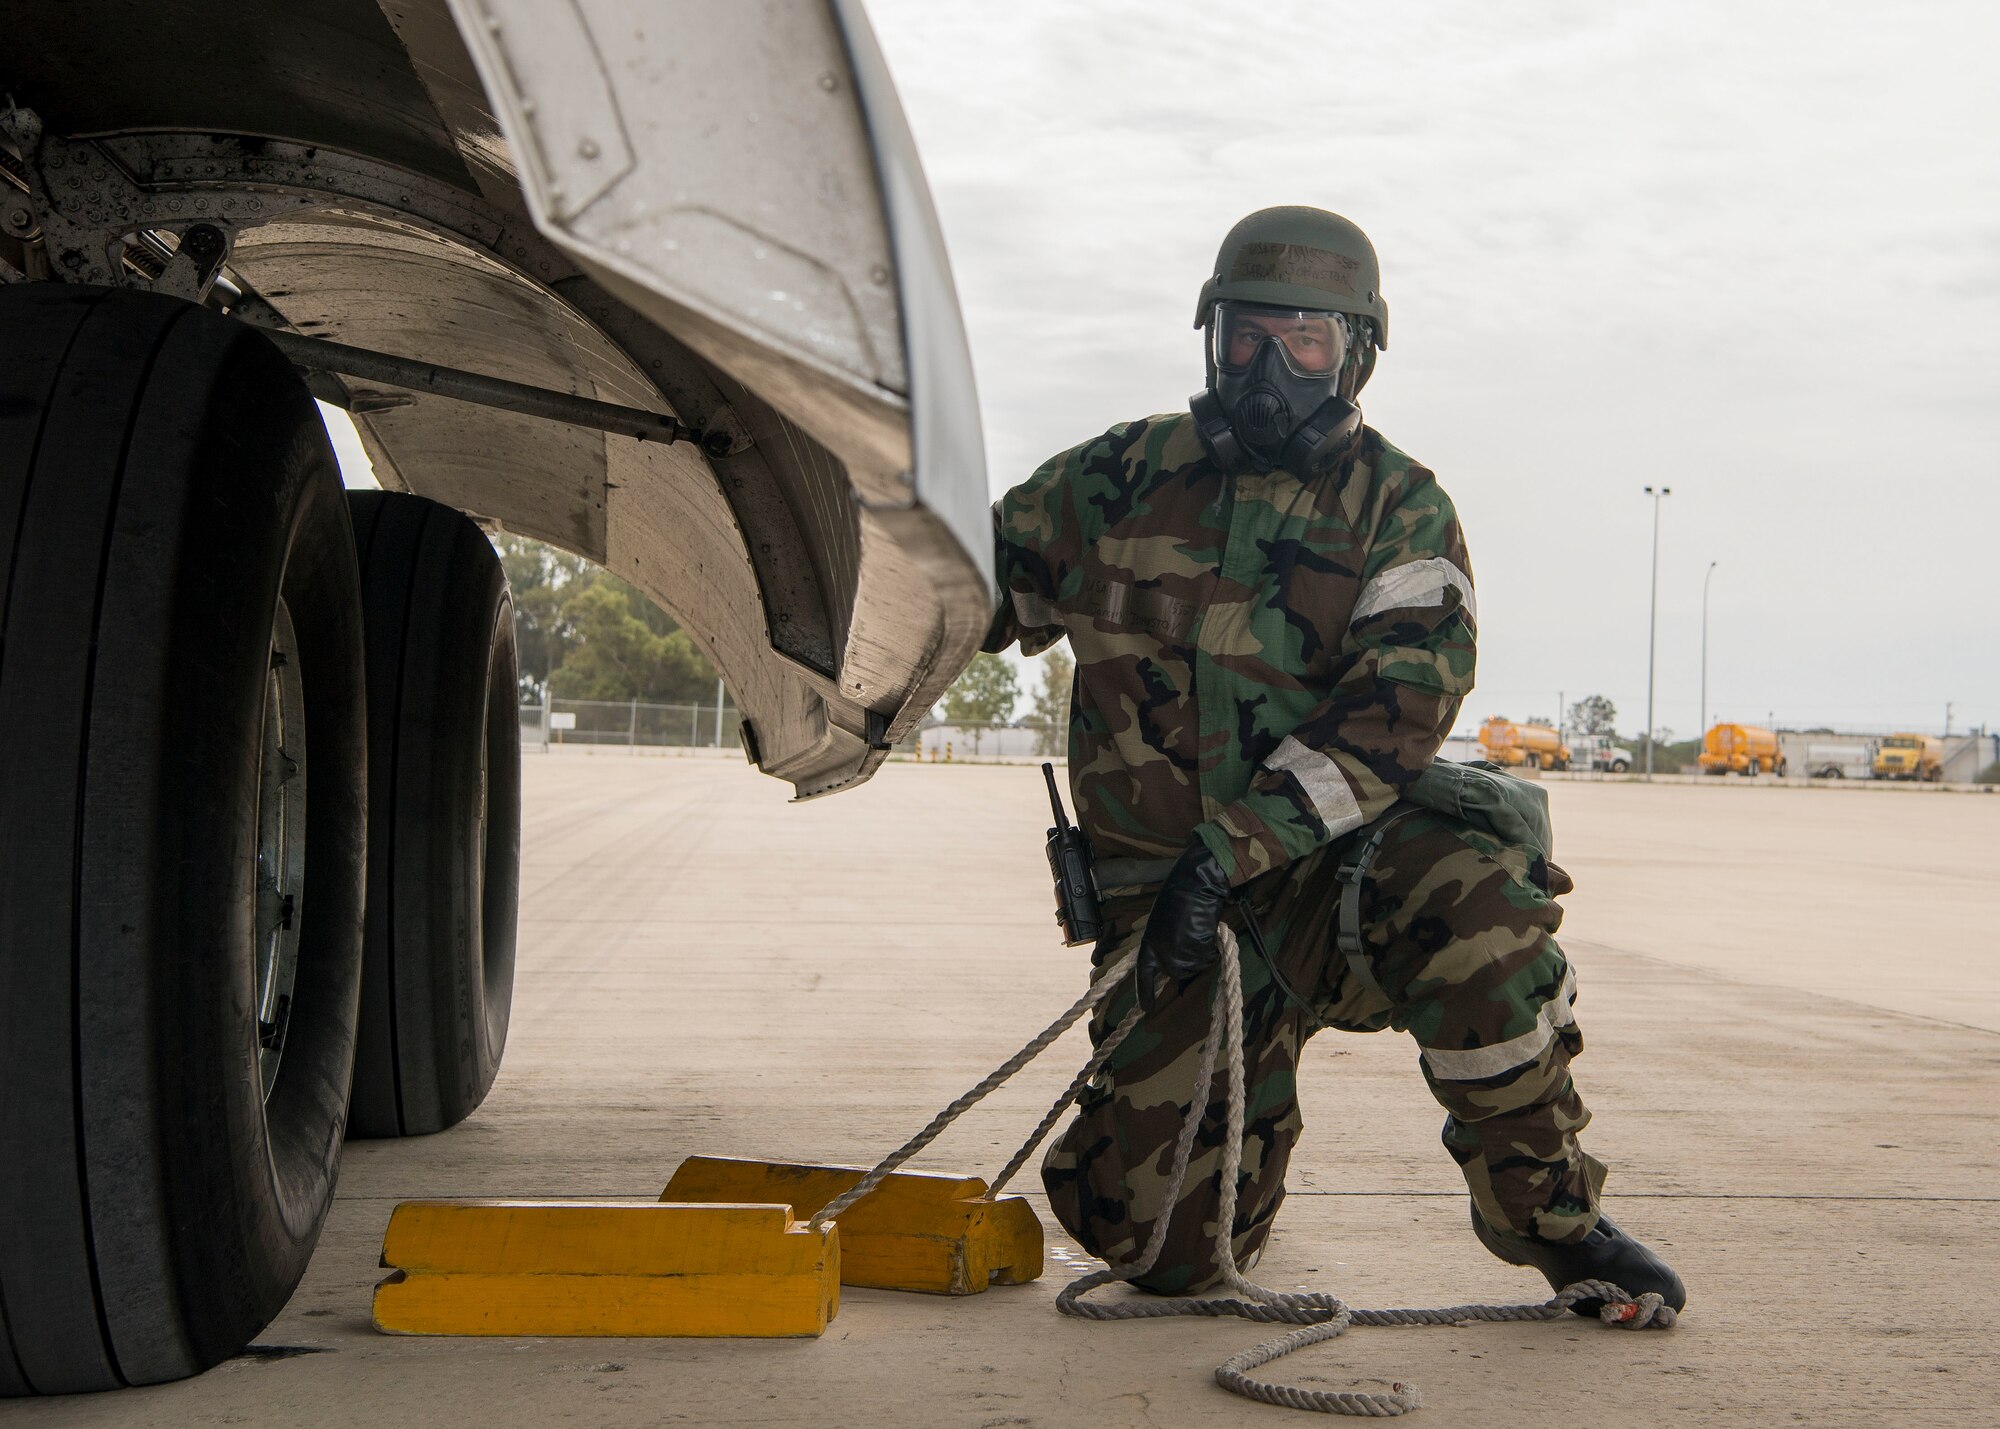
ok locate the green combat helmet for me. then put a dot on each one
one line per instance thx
(1294, 316)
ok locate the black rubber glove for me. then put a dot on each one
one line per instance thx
(1180, 933)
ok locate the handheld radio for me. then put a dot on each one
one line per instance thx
(1069, 865)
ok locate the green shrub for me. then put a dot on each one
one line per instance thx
(1676, 758)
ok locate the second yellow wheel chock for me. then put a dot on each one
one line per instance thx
(918, 1230)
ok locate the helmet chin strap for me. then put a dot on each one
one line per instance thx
(1313, 444)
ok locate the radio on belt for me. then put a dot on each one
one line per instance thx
(1069, 865)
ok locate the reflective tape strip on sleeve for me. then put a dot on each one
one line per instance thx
(1414, 587)
(1034, 611)
(1562, 1011)
(1326, 787)
(1476, 1064)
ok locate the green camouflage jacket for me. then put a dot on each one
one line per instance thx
(1261, 663)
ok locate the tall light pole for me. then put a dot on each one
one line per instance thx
(1653, 621)
(1704, 647)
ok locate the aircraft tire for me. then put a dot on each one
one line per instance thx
(444, 812)
(182, 820)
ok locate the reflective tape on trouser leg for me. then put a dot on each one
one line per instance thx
(1505, 1058)
(1514, 1136)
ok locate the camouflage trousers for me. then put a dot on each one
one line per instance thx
(1458, 952)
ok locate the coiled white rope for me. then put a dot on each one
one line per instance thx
(1320, 1316)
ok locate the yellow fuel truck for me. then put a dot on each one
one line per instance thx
(1512, 744)
(1740, 749)
(1909, 756)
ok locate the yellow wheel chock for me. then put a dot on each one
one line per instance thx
(605, 1268)
(918, 1230)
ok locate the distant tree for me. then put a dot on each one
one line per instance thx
(984, 694)
(616, 654)
(1594, 714)
(1051, 707)
(541, 577)
(583, 634)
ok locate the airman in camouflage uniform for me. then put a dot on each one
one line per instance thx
(1272, 616)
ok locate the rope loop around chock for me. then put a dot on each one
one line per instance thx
(1038, 1044)
(1318, 1316)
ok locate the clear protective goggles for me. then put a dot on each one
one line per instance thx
(1313, 344)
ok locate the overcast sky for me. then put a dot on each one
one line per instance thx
(1750, 251)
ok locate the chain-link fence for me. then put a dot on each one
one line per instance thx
(987, 743)
(557, 721)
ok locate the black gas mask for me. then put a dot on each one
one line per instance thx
(1273, 396)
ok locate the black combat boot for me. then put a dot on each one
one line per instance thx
(1607, 1253)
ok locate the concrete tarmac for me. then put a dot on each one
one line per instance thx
(1792, 1004)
